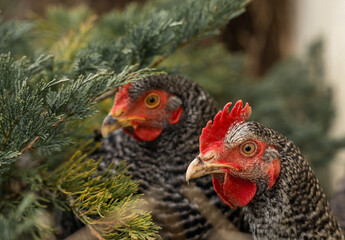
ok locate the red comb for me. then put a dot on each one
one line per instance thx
(213, 134)
(121, 98)
(123, 90)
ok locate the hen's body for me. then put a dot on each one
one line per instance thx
(160, 164)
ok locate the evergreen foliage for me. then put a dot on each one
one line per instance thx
(106, 203)
(63, 32)
(21, 220)
(160, 34)
(33, 110)
(15, 36)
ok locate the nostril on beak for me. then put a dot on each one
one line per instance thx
(110, 120)
(200, 160)
(118, 113)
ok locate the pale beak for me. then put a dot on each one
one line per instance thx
(116, 120)
(111, 124)
(198, 168)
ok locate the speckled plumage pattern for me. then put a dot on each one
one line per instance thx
(160, 165)
(338, 203)
(295, 207)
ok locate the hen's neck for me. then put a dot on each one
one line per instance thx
(295, 207)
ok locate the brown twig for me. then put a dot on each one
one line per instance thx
(157, 62)
(95, 233)
(30, 145)
(9, 133)
(57, 122)
(105, 95)
(161, 59)
(83, 233)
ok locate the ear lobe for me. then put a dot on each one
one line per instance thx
(175, 116)
(274, 172)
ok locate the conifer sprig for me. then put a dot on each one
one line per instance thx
(107, 203)
(33, 111)
(159, 35)
(22, 217)
(15, 36)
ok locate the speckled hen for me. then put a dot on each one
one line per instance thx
(264, 173)
(161, 119)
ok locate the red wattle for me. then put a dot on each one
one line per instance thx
(218, 187)
(147, 133)
(235, 191)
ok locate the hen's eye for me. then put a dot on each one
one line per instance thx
(248, 148)
(152, 100)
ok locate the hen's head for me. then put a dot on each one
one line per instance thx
(238, 154)
(143, 111)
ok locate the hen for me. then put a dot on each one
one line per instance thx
(263, 172)
(161, 119)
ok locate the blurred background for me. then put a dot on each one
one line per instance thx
(285, 57)
(317, 19)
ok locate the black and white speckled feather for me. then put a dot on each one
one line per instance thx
(160, 165)
(338, 203)
(295, 207)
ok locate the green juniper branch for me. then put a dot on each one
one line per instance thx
(107, 203)
(33, 113)
(160, 34)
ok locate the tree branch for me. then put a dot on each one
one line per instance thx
(57, 122)
(9, 133)
(30, 145)
(157, 62)
(105, 95)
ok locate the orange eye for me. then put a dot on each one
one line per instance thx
(248, 148)
(152, 100)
